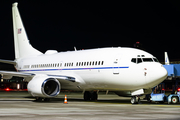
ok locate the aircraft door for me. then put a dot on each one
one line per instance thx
(116, 66)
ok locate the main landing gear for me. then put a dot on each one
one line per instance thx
(90, 96)
(135, 100)
(39, 99)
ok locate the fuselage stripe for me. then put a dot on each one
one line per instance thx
(74, 69)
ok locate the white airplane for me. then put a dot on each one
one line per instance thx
(125, 71)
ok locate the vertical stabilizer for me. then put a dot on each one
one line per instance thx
(21, 43)
(166, 59)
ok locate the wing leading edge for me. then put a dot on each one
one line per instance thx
(31, 75)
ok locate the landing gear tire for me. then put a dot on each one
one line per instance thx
(47, 99)
(39, 99)
(87, 96)
(94, 96)
(90, 96)
(174, 100)
(135, 100)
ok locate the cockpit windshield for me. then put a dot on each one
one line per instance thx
(155, 60)
(140, 60)
(147, 60)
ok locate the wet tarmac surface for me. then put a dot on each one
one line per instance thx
(21, 106)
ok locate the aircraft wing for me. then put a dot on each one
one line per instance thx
(18, 74)
(67, 78)
(67, 82)
(28, 76)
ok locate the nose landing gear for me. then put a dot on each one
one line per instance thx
(135, 100)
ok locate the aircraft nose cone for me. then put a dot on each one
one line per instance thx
(158, 75)
(162, 73)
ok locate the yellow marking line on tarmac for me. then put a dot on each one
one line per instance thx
(165, 105)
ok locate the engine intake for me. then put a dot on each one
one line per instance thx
(44, 87)
(50, 87)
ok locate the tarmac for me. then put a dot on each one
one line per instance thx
(21, 106)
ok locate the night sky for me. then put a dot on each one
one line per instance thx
(62, 24)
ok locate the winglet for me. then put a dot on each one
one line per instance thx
(166, 59)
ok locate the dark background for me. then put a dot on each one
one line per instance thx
(62, 24)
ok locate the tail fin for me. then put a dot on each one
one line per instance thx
(21, 43)
(166, 59)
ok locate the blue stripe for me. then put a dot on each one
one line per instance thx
(75, 69)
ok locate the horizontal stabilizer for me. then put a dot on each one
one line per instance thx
(8, 62)
(18, 74)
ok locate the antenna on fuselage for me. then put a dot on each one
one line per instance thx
(75, 48)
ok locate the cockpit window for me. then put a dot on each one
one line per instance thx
(147, 60)
(139, 60)
(133, 60)
(155, 60)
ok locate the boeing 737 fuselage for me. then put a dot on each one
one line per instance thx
(125, 71)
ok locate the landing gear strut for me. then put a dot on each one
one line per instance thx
(135, 100)
(90, 96)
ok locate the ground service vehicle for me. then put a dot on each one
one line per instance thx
(174, 97)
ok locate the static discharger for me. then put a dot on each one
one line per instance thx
(65, 100)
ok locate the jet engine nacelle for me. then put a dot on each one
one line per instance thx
(44, 87)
